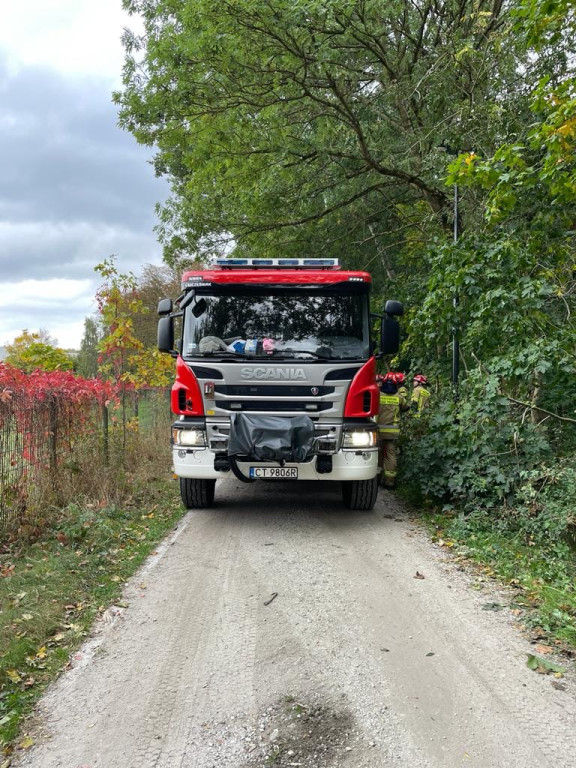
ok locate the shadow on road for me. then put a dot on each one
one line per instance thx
(263, 502)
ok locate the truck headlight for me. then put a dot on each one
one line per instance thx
(360, 438)
(192, 437)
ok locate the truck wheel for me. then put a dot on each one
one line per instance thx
(197, 494)
(360, 494)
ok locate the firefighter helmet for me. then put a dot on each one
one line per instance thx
(420, 379)
(398, 378)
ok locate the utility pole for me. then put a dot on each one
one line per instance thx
(456, 298)
(456, 302)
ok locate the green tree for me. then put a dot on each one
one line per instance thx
(87, 361)
(307, 126)
(29, 351)
(514, 276)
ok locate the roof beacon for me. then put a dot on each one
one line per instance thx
(276, 264)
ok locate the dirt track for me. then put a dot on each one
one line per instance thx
(354, 663)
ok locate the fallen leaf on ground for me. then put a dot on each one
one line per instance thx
(544, 666)
(419, 575)
(544, 648)
(26, 743)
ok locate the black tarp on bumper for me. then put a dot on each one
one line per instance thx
(270, 438)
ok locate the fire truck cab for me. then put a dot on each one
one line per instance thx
(275, 376)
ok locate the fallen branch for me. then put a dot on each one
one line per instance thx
(539, 408)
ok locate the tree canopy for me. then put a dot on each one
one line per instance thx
(32, 350)
(314, 127)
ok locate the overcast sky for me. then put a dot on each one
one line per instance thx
(74, 188)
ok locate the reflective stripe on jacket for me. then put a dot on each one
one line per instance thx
(420, 398)
(389, 415)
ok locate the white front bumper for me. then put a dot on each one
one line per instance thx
(346, 465)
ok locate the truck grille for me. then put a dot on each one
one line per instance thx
(273, 406)
(268, 390)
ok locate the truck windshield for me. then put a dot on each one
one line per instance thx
(313, 323)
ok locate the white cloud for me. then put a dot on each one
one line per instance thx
(68, 249)
(32, 302)
(42, 292)
(75, 37)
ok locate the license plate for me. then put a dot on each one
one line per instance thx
(284, 473)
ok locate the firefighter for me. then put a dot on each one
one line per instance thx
(420, 393)
(391, 404)
(400, 381)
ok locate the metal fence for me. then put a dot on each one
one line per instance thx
(46, 442)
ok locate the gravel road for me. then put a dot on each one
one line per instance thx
(354, 662)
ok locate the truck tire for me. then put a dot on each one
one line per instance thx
(360, 494)
(197, 494)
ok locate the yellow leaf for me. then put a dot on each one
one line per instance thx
(568, 128)
(41, 653)
(26, 743)
(13, 675)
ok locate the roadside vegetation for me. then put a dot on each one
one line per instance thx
(85, 490)
(53, 588)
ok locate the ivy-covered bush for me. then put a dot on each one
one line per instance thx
(472, 452)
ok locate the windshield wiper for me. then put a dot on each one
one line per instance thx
(220, 353)
(299, 355)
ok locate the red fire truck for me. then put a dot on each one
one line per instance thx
(275, 376)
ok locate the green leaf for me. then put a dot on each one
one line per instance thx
(538, 664)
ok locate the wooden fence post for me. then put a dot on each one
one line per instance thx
(53, 440)
(105, 443)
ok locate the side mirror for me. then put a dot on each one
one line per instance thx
(394, 308)
(164, 307)
(166, 334)
(389, 335)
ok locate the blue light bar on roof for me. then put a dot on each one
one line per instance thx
(276, 263)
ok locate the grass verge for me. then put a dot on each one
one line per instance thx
(545, 580)
(52, 590)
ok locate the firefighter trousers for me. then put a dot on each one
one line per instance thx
(387, 461)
